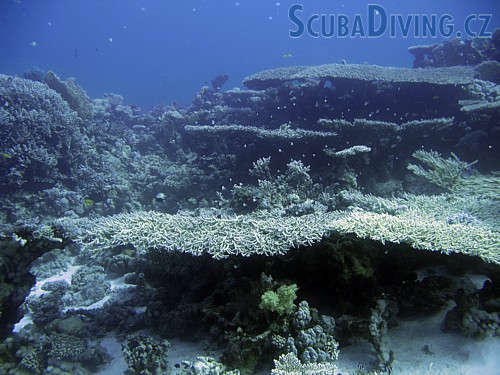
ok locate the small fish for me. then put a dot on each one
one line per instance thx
(33, 44)
(286, 55)
(160, 197)
(6, 155)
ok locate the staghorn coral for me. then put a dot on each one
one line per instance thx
(420, 221)
(351, 151)
(291, 190)
(245, 235)
(485, 187)
(424, 233)
(445, 173)
(261, 169)
(284, 132)
(289, 364)
(438, 207)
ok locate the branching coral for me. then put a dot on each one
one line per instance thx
(146, 355)
(354, 150)
(284, 132)
(423, 222)
(445, 173)
(264, 233)
(289, 364)
(292, 191)
(39, 134)
(206, 366)
(423, 233)
(281, 301)
(65, 347)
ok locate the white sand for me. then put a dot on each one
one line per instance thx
(448, 353)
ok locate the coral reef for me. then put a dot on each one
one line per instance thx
(73, 94)
(220, 237)
(358, 149)
(40, 134)
(278, 222)
(279, 301)
(457, 52)
(289, 364)
(206, 366)
(146, 355)
(438, 76)
(284, 132)
(445, 173)
(413, 220)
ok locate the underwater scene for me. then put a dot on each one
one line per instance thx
(223, 188)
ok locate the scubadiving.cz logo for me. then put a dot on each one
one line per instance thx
(378, 23)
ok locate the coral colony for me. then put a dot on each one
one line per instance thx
(273, 227)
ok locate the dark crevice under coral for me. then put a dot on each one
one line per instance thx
(198, 297)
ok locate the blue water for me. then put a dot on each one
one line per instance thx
(161, 51)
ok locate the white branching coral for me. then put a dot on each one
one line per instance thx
(465, 222)
(220, 237)
(284, 132)
(445, 173)
(289, 364)
(354, 150)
